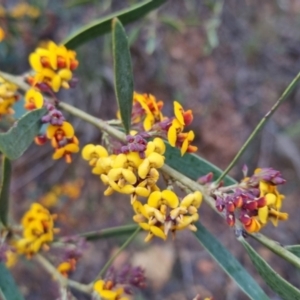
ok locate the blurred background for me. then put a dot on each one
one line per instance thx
(229, 61)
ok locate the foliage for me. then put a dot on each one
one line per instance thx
(144, 154)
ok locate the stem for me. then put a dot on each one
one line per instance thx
(62, 280)
(109, 232)
(259, 126)
(110, 261)
(102, 125)
(277, 249)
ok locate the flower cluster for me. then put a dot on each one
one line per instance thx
(38, 230)
(53, 66)
(127, 173)
(116, 285)
(8, 97)
(164, 212)
(256, 200)
(137, 175)
(147, 116)
(59, 132)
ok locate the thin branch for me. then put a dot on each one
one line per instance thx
(108, 232)
(110, 261)
(61, 279)
(259, 126)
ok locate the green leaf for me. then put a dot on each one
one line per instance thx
(295, 249)
(109, 232)
(102, 26)
(191, 165)
(123, 73)
(8, 287)
(14, 142)
(4, 193)
(279, 285)
(229, 264)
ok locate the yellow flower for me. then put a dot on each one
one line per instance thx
(104, 165)
(164, 212)
(38, 230)
(53, 66)
(167, 197)
(92, 153)
(2, 34)
(33, 99)
(66, 150)
(131, 159)
(106, 293)
(175, 135)
(146, 108)
(65, 130)
(185, 140)
(154, 157)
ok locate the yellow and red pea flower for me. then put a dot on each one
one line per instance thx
(53, 66)
(107, 290)
(164, 212)
(38, 230)
(63, 140)
(8, 97)
(175, 134)
(33, 99)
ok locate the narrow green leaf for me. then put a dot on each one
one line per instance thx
(109, 232)
(295, 249)
(4, 193)
(123, 72)
(14, 142)
(229, 264)
(279, 285)
(192, 166)
(102, 25)
(8, 286)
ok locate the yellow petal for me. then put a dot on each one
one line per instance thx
(56, 83)
(115, 174)
(120, 161)
(142, 191)
(156, 160)
(129, 176)
(170, 197)
(98, 285)
(68, 129)
(144, 168)
(134, 159)
(73, 148)
(154, 199)
(178, 112)
(172, 136)
(35, 62)
(65, 74)
(158, 232)
(87, 151)
(59, 153)
(160, 146)
(270, 198)
(263, 214)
